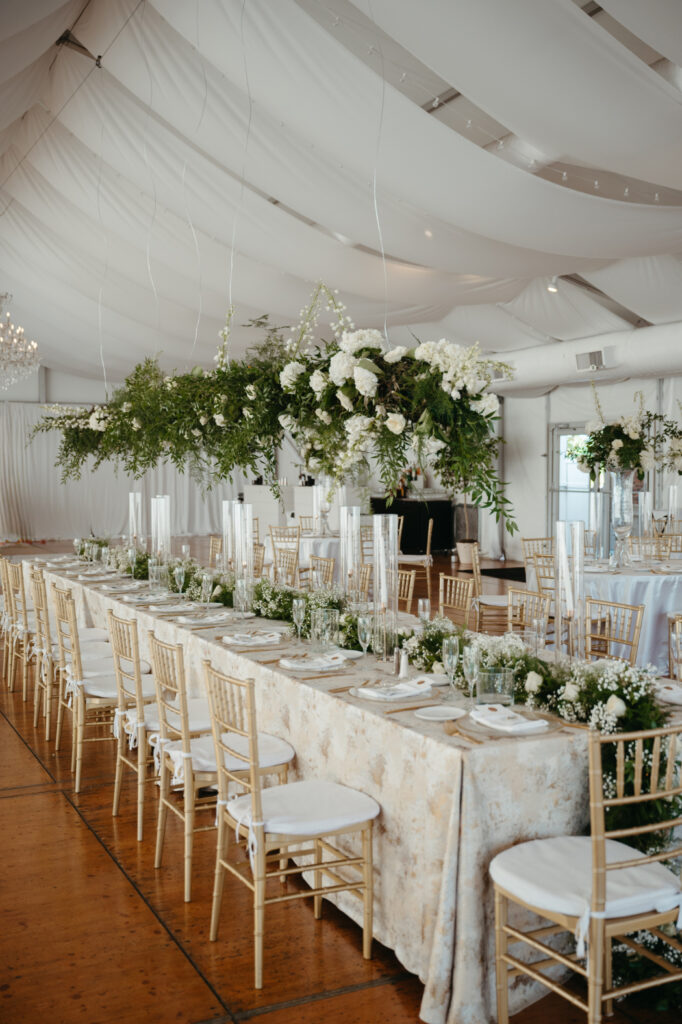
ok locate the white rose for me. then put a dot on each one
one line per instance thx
(250, 392)
(571, 692)
(583, 466)
(647, 459)
(95, 422)
(289, 375)
(487, 405)
(324, 416)
(203, 420)
(533, 682)
(126, 407)
(615, 706)
(341, 366)
(287, 421)
(197, 433)
(365, 381)
(345, 401)
(136, 425)
(616, 443)
(220, 419)
(318, 382)
(437, 668)
(395, 355)
(396, 423)
(247, 413)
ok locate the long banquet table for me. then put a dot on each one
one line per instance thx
(447, 806)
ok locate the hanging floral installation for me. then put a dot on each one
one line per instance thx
(343, 402)
(643, 442)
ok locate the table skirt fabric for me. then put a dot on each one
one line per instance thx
(447, 808)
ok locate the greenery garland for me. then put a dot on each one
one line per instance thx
(343, 402)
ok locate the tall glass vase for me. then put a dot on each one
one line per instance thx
(228, 534)
(243, 541)
(350, 547)
(385, 585)
(161, 531)
(135, 518)
(622, 517)
(569, 581)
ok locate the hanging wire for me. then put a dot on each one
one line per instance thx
(374, 178)
(152, 222)
(244, 155)
(106, 264)
(197, 128)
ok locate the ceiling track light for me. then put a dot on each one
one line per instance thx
(553, 286)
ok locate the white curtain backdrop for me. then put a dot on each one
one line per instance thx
(34, 504)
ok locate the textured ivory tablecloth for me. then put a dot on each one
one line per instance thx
(447, 807)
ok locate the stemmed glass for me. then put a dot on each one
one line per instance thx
(206, 590)
(471, 661)
(77, 546)
(185, 552)
(132, 561)
(298, 612)
(179, 577)
(424, 611)
(450, 655)
(364, 632)
(659, 521)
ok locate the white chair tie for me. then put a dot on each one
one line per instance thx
(251, 841)
(583, 928)
(157, 744)
(71, 689)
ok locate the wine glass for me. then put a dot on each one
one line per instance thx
(470, 664)
(104, 555)
(450, 656)
(77, 546)
(206, 590)
(364, 632)
(659, 521)
(298, 612)
(424, 611)
(185, 552)
(179, 577)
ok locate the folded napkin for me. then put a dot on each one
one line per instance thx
(670, 692)
(55, 564)
(177, 607)
(502, 718)
(120, 588)
(319, 663)
(202, 620)
(135, 598)
(404, 689)
(254, 639)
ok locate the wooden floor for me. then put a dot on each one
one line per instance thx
(92, 933)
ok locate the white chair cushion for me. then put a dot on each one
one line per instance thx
(199, 715)
(101, 686)
(271, 751)
(98, 683)
(307, 808)
(493, 600)
(556, 875)
(413, 559)
(97, 662)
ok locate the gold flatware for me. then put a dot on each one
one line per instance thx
(412, 707)
(353, 686)
(452, 730)
(323, 675)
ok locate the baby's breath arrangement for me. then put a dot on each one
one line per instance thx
(343, 401)
(424, 647)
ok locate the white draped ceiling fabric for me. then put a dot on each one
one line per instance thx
(235, 149)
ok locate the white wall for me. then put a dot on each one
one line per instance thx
(51, 386)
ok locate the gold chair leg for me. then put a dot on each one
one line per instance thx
(118, 775)
(141, 778)
(368, 893)
(80, 742)
(258, 925)
(317, 881)
(501, 970)
(24, 672)
(163, 813)
(219, 877)
(596, 969)
(37, 687)
(12, 664)
(608, 975)
(189, 838)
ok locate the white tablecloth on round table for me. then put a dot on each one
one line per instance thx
(660, 594)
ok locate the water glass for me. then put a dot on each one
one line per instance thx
(330, 627)
(184, 549)
(104, 555)
(153, 574)
(450, 656)
(206, 589)
(132, 560)
(77, 543)
(540, 629)
(424, 610)
(495, 686)
(242, 598)
(298, 613)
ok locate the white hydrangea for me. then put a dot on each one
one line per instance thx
(290, 374)
(533, 682)
(98, 420)
(647, 459)
(365, 381)
(341, 366)
(487, 405)
(616, 443)
(357, 427)
(396, 354)
(351, 341)
(345, 401)
(396, 422)
(318, 382)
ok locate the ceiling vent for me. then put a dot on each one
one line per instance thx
(601, 359)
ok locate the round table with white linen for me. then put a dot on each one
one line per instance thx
(658, 589)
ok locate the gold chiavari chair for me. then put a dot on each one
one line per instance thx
(88, 693)
(367, 542)
(490, 609)
(44, 669)
(300, 819)
(651, 549)
(406, 580)
(307, 524)
(455, 599)
(544, 573)
(675, 543)
(136, 716)
(535, 546)
(256, 531)
(526, 606)
(320, 572)
(674, 645)
(23, 627)
(258, 560)
(285, 567)
(7, 619)
(284, 538)
(186, 758)
(421, 563)
(597, 887)
(590, 543)
(215, 549)
(612, 629)
(365, 580)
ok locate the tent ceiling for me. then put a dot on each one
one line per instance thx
(243, 150)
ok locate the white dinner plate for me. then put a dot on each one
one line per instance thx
(440, 713)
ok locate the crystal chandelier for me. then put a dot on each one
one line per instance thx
(18, 357)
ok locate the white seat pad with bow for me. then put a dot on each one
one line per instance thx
(307, 808)
(102, 662)
(103, 685)
(493, 600)
(556, 875)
